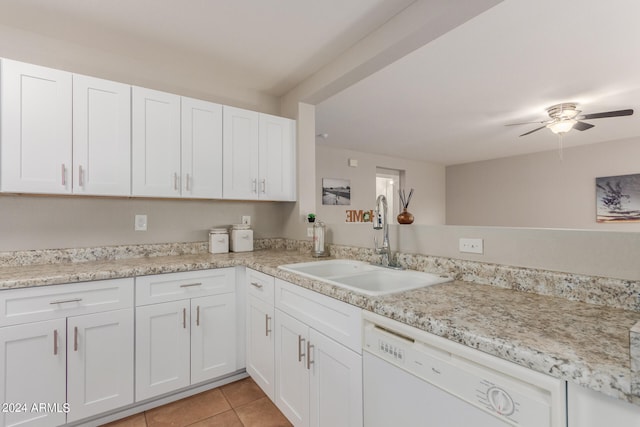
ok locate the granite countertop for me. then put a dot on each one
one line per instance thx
(583, 343)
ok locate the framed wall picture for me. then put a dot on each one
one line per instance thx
(336, 191)
(618, 198)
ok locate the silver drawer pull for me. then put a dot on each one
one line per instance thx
(309, 361)
(257, 285)
(266, 325)
(64, 301)
(300, 353)
(189, 285)
(184, 318)
(55, 342)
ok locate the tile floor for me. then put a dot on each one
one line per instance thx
(239, 404)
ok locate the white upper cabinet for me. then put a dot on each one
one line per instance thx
(201, 149)
(276, 158)
(101, 137)
(155, 143)
(240, 153)
(259, 156)
(36, 129)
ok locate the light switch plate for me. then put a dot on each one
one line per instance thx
(140, 223)
(472, 246)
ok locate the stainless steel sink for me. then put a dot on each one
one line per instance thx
(364, 278)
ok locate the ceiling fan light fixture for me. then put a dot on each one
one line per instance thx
(562, 126)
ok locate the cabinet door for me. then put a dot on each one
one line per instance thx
(101, 137)
(99, 362)
(201, 149)
(292, 371)
(276, 158)
(260, 361)
(155, 143)
(162, 348)
(33, 367)
(35, 153)
(336, 384)
(213, 336)
(240, 153)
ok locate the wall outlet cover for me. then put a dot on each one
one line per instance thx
(246, 220)
(140, 223)
(472, 246)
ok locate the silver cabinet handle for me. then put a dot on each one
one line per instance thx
(263, 184)
(64, 175)
(80, 176)
(309, 361)
(64, 301)
(254, 185)
(198, 315)
(300, 353)
(75, 338)
(188, 182)
(257, 285)
(189, 285)
(184, 318)
(175, 181)
(266, 325)
(55, 342)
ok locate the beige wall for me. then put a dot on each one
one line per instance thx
(428, 201)
(184, 77)
(539, 190)
(43, 222)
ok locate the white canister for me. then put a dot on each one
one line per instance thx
(241, 238)
(218, 241)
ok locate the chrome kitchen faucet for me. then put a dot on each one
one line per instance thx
(380, 222)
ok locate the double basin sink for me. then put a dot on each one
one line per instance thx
(364, 278)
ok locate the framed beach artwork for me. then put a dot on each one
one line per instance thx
(618, 198)
(336, 191)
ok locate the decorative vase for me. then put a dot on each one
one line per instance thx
(405, 217)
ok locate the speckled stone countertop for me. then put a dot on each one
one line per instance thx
(583, 343)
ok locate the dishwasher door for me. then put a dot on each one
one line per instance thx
(394, 397)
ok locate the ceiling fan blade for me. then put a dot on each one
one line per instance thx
(582, 126)
(524, 123)
(532, 131)
(606, 114)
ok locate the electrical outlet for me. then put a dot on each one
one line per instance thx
(309, 231)
(246, 220)
(473, 246)
(140, 223)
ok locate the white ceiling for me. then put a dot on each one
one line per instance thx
(265, 45)
(448, 101)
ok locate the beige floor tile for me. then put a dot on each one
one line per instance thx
(242, 392)
(226, 419)
(137, 420)
(188, 411)
(261, 413)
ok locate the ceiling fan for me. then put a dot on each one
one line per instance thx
(566, 116)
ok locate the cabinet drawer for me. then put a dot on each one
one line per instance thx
(176, 286)
(334, 318)
(260, 285)
(56, 301)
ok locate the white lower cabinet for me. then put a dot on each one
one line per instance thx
(260, 350)
(99, 362)
(189, 340)
(318, 360)
(589, 408)
(33, 365)
(67, 351)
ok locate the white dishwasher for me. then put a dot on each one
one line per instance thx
(413, 378)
